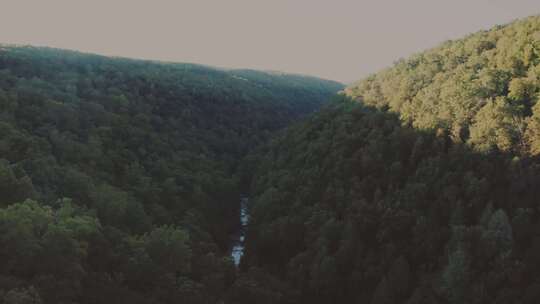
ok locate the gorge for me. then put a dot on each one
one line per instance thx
(239, 237)
(144, 182)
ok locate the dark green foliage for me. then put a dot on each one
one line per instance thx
(418, 186)
(352, 207)
(148, 155)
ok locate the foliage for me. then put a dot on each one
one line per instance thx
(135, 168)
(351, 206)
(480, 89)
(431, 163)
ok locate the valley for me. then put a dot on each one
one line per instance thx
(131, 172)
(136, 181)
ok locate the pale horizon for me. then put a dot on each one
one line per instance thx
(339, 40)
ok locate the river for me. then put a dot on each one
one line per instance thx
(239, 238)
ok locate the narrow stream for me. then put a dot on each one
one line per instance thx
(238, 239)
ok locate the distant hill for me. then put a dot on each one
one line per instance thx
(118, 177)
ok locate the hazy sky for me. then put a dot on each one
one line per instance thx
(337, 39)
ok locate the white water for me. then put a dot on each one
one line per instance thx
(238, 240)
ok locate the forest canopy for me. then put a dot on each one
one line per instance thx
(417, 185)
(481, 90)
(119, 178)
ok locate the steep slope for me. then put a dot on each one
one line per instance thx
(419, 186)
(480, 90)
(133, 164)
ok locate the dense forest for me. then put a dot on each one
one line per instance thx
(119, 178)
(418, 184)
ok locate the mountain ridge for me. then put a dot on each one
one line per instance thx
(416, 185)
(129, 172)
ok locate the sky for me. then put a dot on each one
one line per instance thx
(343, 40)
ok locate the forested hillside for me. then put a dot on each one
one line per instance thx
(481, 90)
(118, 177)
(418, 185)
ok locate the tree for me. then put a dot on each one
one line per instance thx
(169, 248)
(456, 276)
(532, 133)
(497, 125)
(499, 231)
(22, 296)
(522, 90)
(14, 187)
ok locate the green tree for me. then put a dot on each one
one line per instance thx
(22, 296)
(497, 125)
(499, 231)
(169, 247)
(456, 276)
